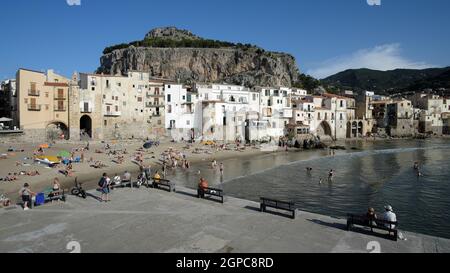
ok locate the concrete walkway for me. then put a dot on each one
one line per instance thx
(150, 220)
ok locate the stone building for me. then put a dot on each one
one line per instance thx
(400, 118)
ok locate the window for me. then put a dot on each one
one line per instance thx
(117, 97)
(159, 122)
(254, 97)
(108, 109)
(46, 107)
(188, 122)
(119, 84)
(169, 109)
(112, 97)
(46, 94)
(104, 96)
(117, 108)
(168, 86)
(184, 97)
(105, 122)
(93, 88)
(342, 103)
(107, 83)
(139, 99)
(341, 117)
(168, 97)
(33, 87)
(318, 116)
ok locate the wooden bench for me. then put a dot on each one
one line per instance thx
(277, 204)
(363, 220)
(211, 192)
(157, 183)
(123, 184)
(55, 195)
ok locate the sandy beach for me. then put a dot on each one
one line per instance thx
(87, 174)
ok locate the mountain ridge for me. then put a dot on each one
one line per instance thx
(390, 81)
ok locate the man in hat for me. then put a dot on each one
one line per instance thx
(389, 215)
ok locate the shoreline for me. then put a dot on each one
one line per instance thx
(88, 176)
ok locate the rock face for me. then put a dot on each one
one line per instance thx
(250, 66)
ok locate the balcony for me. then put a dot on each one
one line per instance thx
(60, 98)
(149, 104)
(60, 108)
(155, 95)
(34, 93)
(86, 110)
(34, 107)
(112, 114)
(156, 115)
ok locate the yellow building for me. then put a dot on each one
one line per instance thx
(43, 104)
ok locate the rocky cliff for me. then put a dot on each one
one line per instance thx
(179, 55)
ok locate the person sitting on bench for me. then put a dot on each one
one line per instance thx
(371, 216)
(55, 188)
(202, 186)
(126, 177)
(390, 216)
(156, 177)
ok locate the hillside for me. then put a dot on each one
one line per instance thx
(180, 55)
(387, 82)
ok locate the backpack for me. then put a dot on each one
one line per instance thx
(101, 183)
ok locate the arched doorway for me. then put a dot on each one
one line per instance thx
(360, 129)
(349, 130)
(85, 127)
(57, 130)
(324, 129)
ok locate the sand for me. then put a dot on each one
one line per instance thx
(85, 173)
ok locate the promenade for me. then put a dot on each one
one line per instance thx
(150, 220)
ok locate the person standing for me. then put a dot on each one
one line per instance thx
(27, 196)
(221, 169)
(104, 187)
(330, 175)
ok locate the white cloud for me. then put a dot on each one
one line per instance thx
(383, 57)
(73, 2)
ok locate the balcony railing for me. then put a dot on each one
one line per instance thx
(86, 110)
(34, 107)
(60, 98)
(34, 93)
(155, 95)
(60, 109)
(149, 104)
(112, 114)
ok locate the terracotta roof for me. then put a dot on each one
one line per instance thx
(328, 95)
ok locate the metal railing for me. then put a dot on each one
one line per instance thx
(34, 93)
(34, 107)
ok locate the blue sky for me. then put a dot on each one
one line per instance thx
(326, 36)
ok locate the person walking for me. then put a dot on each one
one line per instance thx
(104, 187)
(221, 169)
(27, 196)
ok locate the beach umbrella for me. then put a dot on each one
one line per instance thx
(64, 154)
